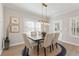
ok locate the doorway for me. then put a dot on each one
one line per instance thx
(57, 27)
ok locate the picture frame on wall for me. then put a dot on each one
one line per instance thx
(14, 20)
(57, 27)
(14, 29)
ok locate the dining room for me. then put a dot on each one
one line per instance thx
(39, 29)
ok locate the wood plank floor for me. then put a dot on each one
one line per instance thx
(17, 51)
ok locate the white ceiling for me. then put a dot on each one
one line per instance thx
(52, 10)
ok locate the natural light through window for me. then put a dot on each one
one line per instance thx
(30, 26)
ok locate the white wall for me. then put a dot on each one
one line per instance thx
(1, 27)
(13, 37)
(52, 26)
(64, 18)
(16, 38)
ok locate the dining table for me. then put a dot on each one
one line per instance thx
(37, 39)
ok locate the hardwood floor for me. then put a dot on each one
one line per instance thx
(13, 51)
(17, 50)
(72, 50)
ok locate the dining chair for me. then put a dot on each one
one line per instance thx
(39, 33)
(47, 43)
(28, 42)
(55, 40)
(33, 33)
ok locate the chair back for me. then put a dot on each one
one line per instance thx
(56, 38)
(39, 33)
(26, 40)
(52, 36)
(33, 33)
(47, 40)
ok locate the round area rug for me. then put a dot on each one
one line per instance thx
(61, 53)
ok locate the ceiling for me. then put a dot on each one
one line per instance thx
(53, 9)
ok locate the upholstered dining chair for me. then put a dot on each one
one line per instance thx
(55, 40)
(39, 33)
(47, 43)
(33, 33)
(28, 42)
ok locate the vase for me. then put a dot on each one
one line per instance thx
(6, 43)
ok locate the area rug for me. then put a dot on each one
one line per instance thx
(61, 53)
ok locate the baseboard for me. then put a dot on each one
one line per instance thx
(15, 44)
(0, 52)
(70, 43)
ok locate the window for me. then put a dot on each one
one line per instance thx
(75, 26)
(30, 26)
(38, 26)
(56, 26)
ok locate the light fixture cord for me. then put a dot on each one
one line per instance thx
(42, 18)
(44, 5)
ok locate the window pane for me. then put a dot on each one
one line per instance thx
(28, 26)
(38, 26)
(75, 26)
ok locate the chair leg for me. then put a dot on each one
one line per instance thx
(45, 51)
(37, 50)
(50, 48)
(56, 45)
